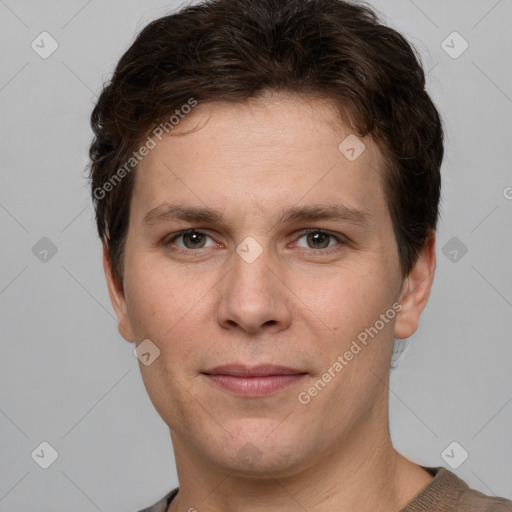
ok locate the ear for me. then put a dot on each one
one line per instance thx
(416, 290)
(116, 292)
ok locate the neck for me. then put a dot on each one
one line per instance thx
(363, 473)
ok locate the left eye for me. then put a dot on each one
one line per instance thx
(319, 239)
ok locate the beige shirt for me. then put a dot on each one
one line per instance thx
(446, 492)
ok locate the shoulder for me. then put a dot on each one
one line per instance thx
(163, 504)
(446, 492)
(472, 500)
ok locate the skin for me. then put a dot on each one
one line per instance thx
(294, 306)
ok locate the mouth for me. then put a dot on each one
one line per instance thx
(254, 381)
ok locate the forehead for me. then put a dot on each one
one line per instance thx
(261, 155)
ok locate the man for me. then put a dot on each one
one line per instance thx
(266, 177)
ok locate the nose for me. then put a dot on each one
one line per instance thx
(253, 297)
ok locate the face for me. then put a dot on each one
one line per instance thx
(288, 259)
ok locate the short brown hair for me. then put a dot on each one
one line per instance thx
(233, 50)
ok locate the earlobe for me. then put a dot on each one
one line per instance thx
(416, 290)
(117, 298)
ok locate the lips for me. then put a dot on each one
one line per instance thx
(263, 370)
(254, 381)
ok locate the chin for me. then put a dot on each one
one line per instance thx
(257, 455)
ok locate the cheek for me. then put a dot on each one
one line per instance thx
(172, 311)
(157, 300)
(350, 305)
(166, 315)
(347, 299)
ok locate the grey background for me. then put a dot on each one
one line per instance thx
(66, 375)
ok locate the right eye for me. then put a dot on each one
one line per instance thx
(191, 240)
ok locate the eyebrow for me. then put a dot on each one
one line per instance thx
(172, 211)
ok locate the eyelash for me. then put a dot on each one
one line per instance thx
(310, 252)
